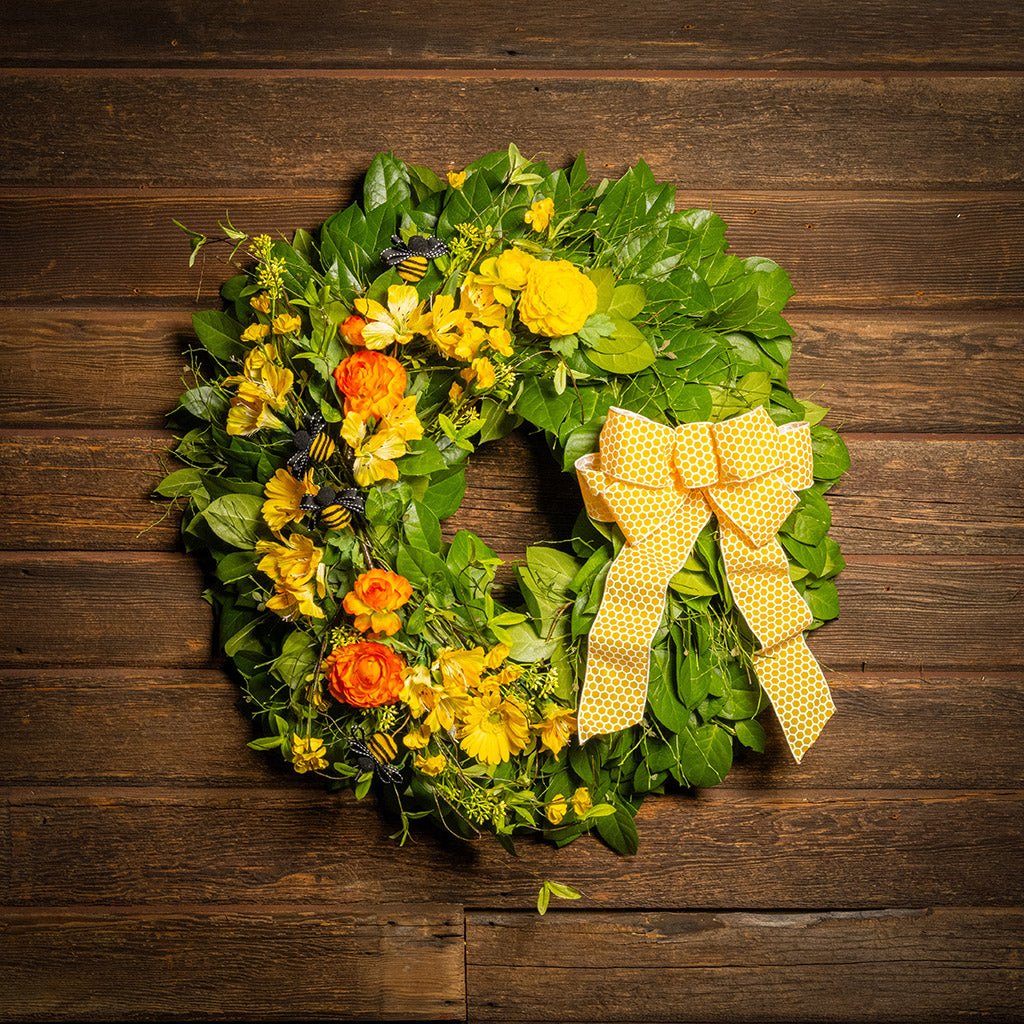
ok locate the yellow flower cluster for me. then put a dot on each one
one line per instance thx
(263, 386)
(308, 755)
(296, 567)
(470, 691)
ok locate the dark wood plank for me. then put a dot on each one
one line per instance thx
(139, 609)
(842, 249)
(907, 495)
(887, 965)
(401, 962)
(123, 368)
(889, 731)
(732, 132)
(682, 35)
(719, 849)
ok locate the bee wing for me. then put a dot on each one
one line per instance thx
(434, 248)
(299, 463)
(315, 423)
(389, 773)
(351, 499)
(395, 255)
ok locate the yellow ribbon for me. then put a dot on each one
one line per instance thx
(661, 487)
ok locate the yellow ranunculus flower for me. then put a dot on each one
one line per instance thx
(555, 810)
(255, 332)
(557, 299)
(285, 323)
(430, 765)
(581, 801)
(456, 178)
(539, 214)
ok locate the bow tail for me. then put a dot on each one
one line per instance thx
(777, 614)
(619, 644)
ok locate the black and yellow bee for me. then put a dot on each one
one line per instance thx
(334, 509)
(313, 444)
(412, 258)
(376, 756)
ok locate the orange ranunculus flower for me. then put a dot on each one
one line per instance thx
(351, 331)
(374, 598)
(365, 675)
(557, 299)
(372, 383)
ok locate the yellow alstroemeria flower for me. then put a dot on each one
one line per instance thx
(493, 729)
(556, 727)
(496, 655)
(478, 300)
(295, 564)
(284, 492)
(460, 669)
(249, 413)
(402, 421)
(402, 318)
(263, 378)
(499, 339)
(539, 214)
(308, 754)
(443, 321)
(291, 599)
(374, 456)
(432, 766)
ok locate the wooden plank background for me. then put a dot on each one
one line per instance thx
(155, 868)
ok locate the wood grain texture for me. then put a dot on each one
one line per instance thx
(144, 609)
(92, 492)
(124, 368)
(665, 35)
(718, 849)
(349, 962)
(894, 965)
(957, 251)
(188, 728)
(860, 132)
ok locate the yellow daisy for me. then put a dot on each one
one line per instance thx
(493, 729)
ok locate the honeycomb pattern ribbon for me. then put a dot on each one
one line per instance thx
(661, 486)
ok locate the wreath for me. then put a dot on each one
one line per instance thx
(324, 438)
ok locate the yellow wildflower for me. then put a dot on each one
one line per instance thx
(506, 273)
(418, 738)
(460, 669)
(424, 697)
(284, 493)
(581, 801)
(456, 178)
(493, 729)
(501, 341)
(285, 323)
(308, 754)
(430, 765)
(374, 456)
(255, 332)
(556, 727)
(539, 214)
(262, 383)
(261, 303)
(478, 300)
(455, 393)
(555, 810)
(496, 655)
(402, 318)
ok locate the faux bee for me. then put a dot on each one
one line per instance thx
(412, 258)
(376, 755)
(334, 509)
(313, 444)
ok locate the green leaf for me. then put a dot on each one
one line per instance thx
(297, 658)
(831, 459)
(822, 598)
(444, 492)
(706, 755)
(423, 458)
(386, 183)
(632, 361)
(813, 413)
(236, 518)
(619, 831)
(180, 483)
(205, 403)
(543, 898)
(627, 301)
(218, 333)
(422, 528)
(751, 734)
